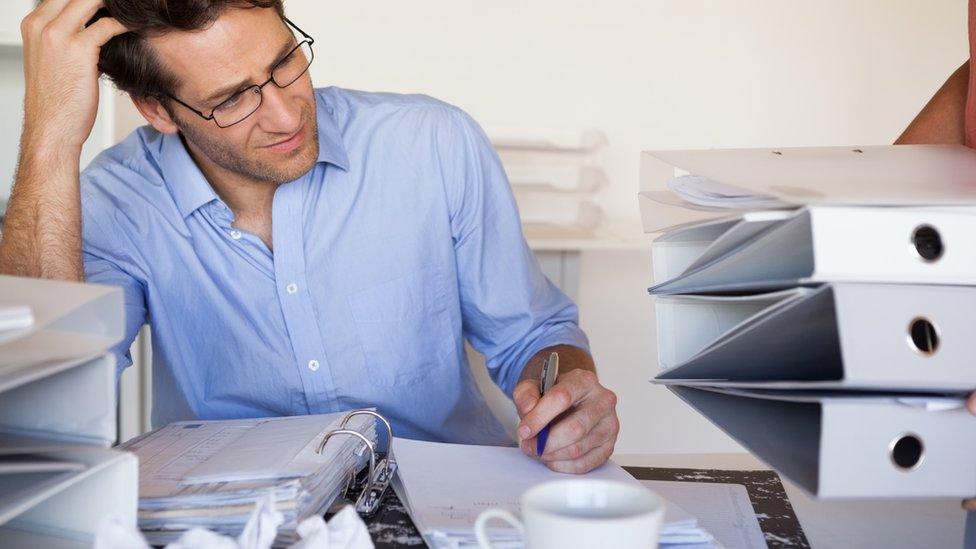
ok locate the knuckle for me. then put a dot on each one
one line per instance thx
(561, 397)
(611, 400)
(577, 428)
(588, 376)
(575, 451)
(50, 32)
(27, 24)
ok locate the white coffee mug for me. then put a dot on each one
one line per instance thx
(582, 513)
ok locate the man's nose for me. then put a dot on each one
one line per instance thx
(279, 112)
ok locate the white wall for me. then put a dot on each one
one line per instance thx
(651, 74)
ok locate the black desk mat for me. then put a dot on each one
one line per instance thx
(392, 527)
(769, 501)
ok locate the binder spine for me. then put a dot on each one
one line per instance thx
(382, 465)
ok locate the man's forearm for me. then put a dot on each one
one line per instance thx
(42, 231)
(942, 120)
(570, 358)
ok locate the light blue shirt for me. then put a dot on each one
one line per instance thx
(401, 242)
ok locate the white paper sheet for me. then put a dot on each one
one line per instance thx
(446, 486)
(722, 509)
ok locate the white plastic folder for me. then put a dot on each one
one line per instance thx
(877, 337)
(57, 415)
(768, 250)
(55, 381)
(835, 445)
(888, 175)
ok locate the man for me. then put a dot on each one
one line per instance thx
(296, 251)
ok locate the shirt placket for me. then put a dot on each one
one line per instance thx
(296, 301)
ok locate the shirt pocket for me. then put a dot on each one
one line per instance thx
(404, 327)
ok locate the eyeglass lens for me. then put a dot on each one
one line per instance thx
(246, 102)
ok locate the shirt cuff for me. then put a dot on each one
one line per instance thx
(566, 334)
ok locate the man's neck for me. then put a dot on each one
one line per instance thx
(250, 199)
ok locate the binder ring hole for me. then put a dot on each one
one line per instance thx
(927, 243)
(906, 452)
(923, 336)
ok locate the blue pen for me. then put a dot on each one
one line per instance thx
(549, 372)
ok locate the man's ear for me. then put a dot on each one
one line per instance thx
(156, 114)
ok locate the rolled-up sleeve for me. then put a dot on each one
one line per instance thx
(510, 310)
(106, 263)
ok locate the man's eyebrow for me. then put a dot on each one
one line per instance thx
(228, 90)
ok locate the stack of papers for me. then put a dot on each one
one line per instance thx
(704, 192)
(213, 473)
(14, 317)
(446, 486)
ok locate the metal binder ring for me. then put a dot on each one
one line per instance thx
(369, 444)
(390, 460)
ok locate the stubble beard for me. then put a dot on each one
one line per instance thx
(255, 169)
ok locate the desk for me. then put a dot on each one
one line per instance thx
(827, 524)
(841, 524)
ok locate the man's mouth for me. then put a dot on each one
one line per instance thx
(289, 144)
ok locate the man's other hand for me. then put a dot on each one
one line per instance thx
(61, 71)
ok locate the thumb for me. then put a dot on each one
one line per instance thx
(526, 396)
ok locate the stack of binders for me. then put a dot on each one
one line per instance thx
(816, 305)
(58, 478)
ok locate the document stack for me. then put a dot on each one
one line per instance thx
(58, 477)
(211, 474)
(816, 305)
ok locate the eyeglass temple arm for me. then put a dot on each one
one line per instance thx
(303, 33)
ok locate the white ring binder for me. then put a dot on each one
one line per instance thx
(380, 474)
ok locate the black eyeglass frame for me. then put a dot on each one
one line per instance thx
(257, 88)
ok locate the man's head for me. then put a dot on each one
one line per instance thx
(203, 52)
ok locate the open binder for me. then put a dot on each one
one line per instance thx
(882, 337)
(367, 490)
(212, 473)
(58, 479)
(836, 445)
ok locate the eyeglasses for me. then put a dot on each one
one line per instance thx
(246, 102)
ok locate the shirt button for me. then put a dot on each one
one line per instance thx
(313, 365)
(235, 234)
(291, 288)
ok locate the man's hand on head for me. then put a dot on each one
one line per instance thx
(581, 414)
(61, 70)
(42, 231)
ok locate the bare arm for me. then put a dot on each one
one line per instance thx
(942, 120)
(42, 231)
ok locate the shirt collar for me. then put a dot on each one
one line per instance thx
(191, 189)
(331, 148)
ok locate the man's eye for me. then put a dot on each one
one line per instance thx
(230, 103)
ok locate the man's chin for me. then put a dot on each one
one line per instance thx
(300, 162)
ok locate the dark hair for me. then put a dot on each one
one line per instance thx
(129, 60)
